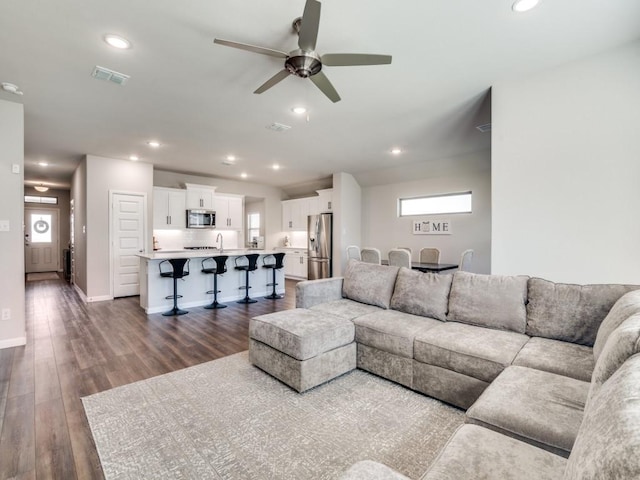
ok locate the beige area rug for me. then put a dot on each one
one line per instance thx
(34, 277)
(226, 419)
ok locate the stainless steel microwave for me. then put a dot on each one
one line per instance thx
(201, 219)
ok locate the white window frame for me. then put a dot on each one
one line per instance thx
(443, 204)
(252, 231)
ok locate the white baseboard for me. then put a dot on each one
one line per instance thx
(86, 299)
(13, 342)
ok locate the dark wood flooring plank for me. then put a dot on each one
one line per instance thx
(53, 446)
(17, 441)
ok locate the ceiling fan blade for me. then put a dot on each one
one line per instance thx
(322, 82)
(278, 77)
(309, 27)
(251, 48)
(349, 59)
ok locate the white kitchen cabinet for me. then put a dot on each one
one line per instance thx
(200, 198)
(325, 199)
(295, 264)
(169, 208)
(295, 213)
(228, 210)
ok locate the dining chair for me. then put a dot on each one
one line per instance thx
(408, 249)
(371, 255)
(429, 255)
(353, 251)
(400, 257)
(465, 261)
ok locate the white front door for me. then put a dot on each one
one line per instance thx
(127, 240)
(42, 253)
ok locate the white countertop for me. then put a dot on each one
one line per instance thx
(167, 254)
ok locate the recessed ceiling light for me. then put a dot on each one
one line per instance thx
(43, 164)
(243, 175)
(396, 151)
(299, 110)
(524, 5)
(276, 166)
(117, 41)
(153, 143)
(231, 158)
(134, 158)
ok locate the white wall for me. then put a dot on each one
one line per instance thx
(102, 176)
(12, 331)
(566, 171)
(272, 198)
(347, 210)
(382, 228)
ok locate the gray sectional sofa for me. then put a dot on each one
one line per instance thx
(545, 370)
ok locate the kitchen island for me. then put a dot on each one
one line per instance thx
(154, 289)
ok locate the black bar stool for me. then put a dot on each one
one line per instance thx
(252, 258)
(179, 269)
(279, 263)
(219, 268)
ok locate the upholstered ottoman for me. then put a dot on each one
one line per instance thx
(301, 347)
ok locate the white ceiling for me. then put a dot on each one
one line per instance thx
(196, 97)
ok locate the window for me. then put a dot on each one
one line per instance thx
(253, 227)
(435, 204)
(40, 199)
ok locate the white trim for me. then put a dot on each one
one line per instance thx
(101, 298)
(85, 299)
(79, 291)
(13, 342)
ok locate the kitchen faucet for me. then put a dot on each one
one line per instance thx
(220, 238)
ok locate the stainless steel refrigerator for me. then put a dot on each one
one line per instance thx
(319, 235)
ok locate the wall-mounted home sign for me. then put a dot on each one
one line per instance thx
(432, 227)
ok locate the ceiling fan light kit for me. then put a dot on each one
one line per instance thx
(305, 62)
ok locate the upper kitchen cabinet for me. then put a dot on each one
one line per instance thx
(200, 196)
(295, 212)
(169, 208)
(228, 210)
(325, 197)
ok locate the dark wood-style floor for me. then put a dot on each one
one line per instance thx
(75, 349)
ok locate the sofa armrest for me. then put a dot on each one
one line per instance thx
(315, 292)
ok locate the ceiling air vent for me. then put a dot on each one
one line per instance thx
(102, 73)
(278, 127)
(484, 128)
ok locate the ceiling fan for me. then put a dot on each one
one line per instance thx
(305, 62)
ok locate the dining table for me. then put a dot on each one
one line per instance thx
(429, 267)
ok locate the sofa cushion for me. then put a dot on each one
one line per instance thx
(369, 283)
(478, 352)
(476, 453)
(345, 308)
(425, 294)
(301, 333)
(609, 438)
(392, 331)
(627, 305)
(572, 313)
(539, 407)
(495, 301)
(623, 343)
(563, 358)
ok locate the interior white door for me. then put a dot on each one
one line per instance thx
(127, 240)
(42, 253)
